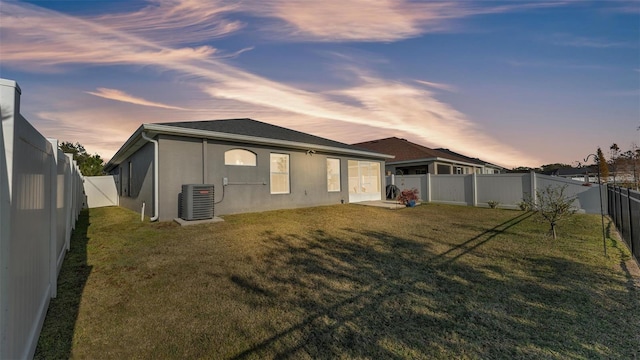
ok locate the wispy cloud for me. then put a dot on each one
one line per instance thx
(175, 22)
(439, 86)
(37, 37)
(373, 20)
(580, 41)
(117, 95)
(623, 6)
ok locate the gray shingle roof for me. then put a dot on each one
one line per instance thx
(250, 127)
(243, 130)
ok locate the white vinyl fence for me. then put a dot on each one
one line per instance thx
(100, 191)
(41, 195)
(507, 189)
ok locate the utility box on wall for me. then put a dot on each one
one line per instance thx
(197, 201)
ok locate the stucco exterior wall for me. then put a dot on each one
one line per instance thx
(138, 188)
(200, 161)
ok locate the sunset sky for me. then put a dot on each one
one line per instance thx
(517, 83)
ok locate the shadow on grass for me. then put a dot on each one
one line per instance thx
(371, 294)
(480, 239)
(56, 338)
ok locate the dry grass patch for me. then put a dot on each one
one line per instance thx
(345, 281)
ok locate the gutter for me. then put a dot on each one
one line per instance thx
(155, 175)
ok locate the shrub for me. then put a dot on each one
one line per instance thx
(408, 195)
(493, 204)
(524, 205)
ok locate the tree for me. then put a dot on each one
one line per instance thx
(602, 165)
(550, 167)
(523, 169)
(90, 165)
(552, 205)
(615, 151)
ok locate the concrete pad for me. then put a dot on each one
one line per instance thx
(387, 204)
(184, 222)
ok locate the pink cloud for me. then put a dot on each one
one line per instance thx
(118, 95)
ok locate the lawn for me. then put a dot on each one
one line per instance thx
(344, 281)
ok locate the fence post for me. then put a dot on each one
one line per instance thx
(53, 212)
(620, 202)
(474, 193)
(69, 201)
(630, 220)
(534, 187)
(428, 187)
(9, 107)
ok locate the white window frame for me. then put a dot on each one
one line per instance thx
(229, 161)
(272, 173)
(363, 184)
(329, 175)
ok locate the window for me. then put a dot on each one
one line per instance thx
(457, 170)
(129, 185)
(443, 169)
(333, 175)
(279, 174)
(421, 171)
(364, 177)
(239, 157)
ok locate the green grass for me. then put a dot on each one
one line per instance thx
(343, 281)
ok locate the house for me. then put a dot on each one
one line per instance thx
(487, 167)
(414, 159)
(587, 173)
(254, 166)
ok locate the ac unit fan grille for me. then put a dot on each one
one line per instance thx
(197, 202)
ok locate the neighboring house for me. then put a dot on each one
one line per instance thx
(254, 166)
(487, 167)
(414, 159)
(587, 173)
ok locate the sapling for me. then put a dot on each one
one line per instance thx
(553, 205)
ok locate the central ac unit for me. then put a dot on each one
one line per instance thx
(197, 202)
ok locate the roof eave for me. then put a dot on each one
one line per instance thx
(129, 147)
(134, 142)
(453, 162)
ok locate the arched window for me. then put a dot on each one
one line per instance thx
(239, 157)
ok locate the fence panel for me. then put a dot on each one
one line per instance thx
(36, 184)
(624, 208)
(507, 189)
(634, 220)
(101, 191)
(452, 189)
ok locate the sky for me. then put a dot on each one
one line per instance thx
(515, 83)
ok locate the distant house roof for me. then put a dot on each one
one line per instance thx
(405, 150)
(239, 130)
(572, 171)
(473, 160)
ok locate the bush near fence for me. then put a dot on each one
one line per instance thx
(41, 195)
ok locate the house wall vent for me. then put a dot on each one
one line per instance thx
(197, 202)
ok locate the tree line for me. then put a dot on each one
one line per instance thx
(622, 167)
(89, 165)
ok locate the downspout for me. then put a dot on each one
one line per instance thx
(155, 176)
